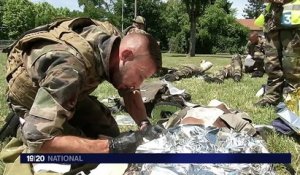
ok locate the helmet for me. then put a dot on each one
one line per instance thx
(139, 19)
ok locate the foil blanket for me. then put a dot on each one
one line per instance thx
(198, 139)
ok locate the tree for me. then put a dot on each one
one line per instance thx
(194, 8)
(219, 31)
(150, 9)
(175, 23)
(253, 9)
(46, 13)
(3, 28)
(19, 16)
(96, 9)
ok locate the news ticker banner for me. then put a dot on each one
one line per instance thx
(159, 158)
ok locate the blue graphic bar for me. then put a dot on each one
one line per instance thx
(158, 158)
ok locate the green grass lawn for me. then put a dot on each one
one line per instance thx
(236, 95)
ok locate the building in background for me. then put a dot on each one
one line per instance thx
(249, 23)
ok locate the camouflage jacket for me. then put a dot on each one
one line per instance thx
(60, 73)
(133, 29)
(259, 47)
(273, 17)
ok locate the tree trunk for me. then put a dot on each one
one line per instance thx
(192, 44)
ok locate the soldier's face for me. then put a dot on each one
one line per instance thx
(134, 72)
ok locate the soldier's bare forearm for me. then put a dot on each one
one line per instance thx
(73, 144)
(135, 106)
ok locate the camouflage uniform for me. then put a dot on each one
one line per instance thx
(282, 54)
(135, 27)
(257, 52)
(49, 85)
(185, 71)
(233, 70)
(132, 29)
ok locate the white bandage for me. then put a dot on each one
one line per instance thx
(249, 61)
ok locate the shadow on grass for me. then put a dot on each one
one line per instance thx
(289, 168)
(296, 138)
(178, 55)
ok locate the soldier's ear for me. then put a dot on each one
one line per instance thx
(126, 55)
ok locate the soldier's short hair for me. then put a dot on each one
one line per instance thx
(154, 50)
(153, 47)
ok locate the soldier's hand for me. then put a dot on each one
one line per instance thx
(153, 132)
(126, 142)
(237, 78)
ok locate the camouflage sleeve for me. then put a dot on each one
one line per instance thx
(60, 75)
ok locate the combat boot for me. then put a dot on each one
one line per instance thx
(237, 78)
(205, 65)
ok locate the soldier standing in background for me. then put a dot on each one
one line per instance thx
(281, 25)
(138, 23)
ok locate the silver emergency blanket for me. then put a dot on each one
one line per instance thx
(198, 139)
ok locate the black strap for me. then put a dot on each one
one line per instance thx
(9, 129)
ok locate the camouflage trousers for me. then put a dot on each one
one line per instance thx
(231, 70)
(282, 62)
(185, 71)
(91, 119)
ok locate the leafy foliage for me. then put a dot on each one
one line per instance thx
(151, 10)
(216, 31)
(19, 16)
(213, 28)
(46, 13)
(195, 9)
(178, 43)
(253, 9)
(219, 31)
(96, 9)
(176, 25)
(2, 27)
